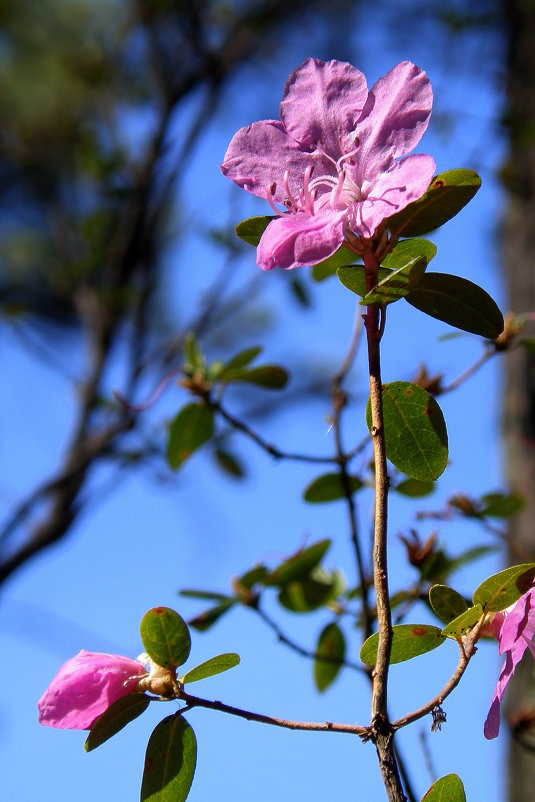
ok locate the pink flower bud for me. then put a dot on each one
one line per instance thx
(85, 686)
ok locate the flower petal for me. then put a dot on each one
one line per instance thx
(294, 240)
(85, 686)
(492, 724)
(322, 102)
(394, 119)
(516, 622)
(405, 182)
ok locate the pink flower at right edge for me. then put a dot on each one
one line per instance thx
(332, 159)
(514, 629)
(84, 688)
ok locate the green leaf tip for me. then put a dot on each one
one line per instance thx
(447, 789)
(503, 589)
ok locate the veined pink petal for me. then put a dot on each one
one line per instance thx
(515, 623)
(402, 184)
(85, 686)
(492, 724)
(294, 240)
(394, 119)
(322, 102)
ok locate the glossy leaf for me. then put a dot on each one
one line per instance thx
(211, 667)
(408, 641)
(117, 716)
(271, 377)
(317, 590)
(505, 588)
(447, 789)
(330, 487)
(354, 279)
(331, 645)
(448, 194)
(299, 565)
(446, 603)
(415, 431)
(414, 488)
(328, 267)
(409, 249)
(191, 428)
(464, 621)
(397, 284)
(240, 361)
(165, 636)
(251, 229)
(169, 761)
(458, 302)
(206, 619)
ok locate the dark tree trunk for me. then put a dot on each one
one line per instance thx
(519, 265)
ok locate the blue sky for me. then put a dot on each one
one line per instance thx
(145, 539)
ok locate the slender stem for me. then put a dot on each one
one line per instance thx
(480, 361)
(383, 734)
(311, 726)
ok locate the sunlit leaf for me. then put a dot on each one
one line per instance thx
(354, 279)
(328, 267)
(194, 360)
(448, 194)
(251, 229)
(447, 789)
(206, 619)
(397, 284)
(191, 428)
(414, 488)
(169, 761)
(165, 636)
(409, 249)
(415, 432)
(330, 487)
(271, 377)
(299, 565)
(117, 716)
(446, 603)
(331, 645)
(505, 588)
(458, 626)
(408, 641)
(240, 360)
(252, 577)
(211, 667)
(458, 302)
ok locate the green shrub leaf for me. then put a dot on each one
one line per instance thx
(330, 487)
(251, 229)
(446, 603)
(458, 626)
(408, 641)
(191, 428)
(447, 789)
(331, 645)
(117, 716)
(165, 636)
(505, 588)
(169, 761)
(211, 667)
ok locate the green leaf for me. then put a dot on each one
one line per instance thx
(354, 279)
(194, 360)
(409, 249)
(252, 577)
(447, 789)
(240, 361)
(191, 428)
(204, 594)
(165, 636)
(448, 193)
(317, 590)
(446, 603)
(272, 377)
(229, 463)
(205, 620)
(414, 488)
(211, 667)
(464, 621)
(299, 565)
(117, 716)
(501, 505)
(458, 302)
(251, 229)
(415, 432)
(330, 653)
(169, 761)
(397, 284)
(328, 267)
(408, 641)
(330, 487)
(505, 588)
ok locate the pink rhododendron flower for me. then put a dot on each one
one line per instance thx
(85, 686)
(514, 628)
(332, 159)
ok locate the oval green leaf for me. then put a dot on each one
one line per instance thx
(408, 641)
(117, 716)
(353, 278)
(251, 229)
(415, 431)
(191, 428)
(458, 302)
(505, 588)
(271, 377)
(467, 619)
(409, 249)
(211, 667)
(299, 565)
(502, 505)
(240, 360)
(446, 603)
(205, 620)
(309, 594)
(328, 267)
(330, 487)
(330, 654)
(165, 637)
(448, 193)
(170, 761)
(414, 488)
(397, 284)
(447, 789)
